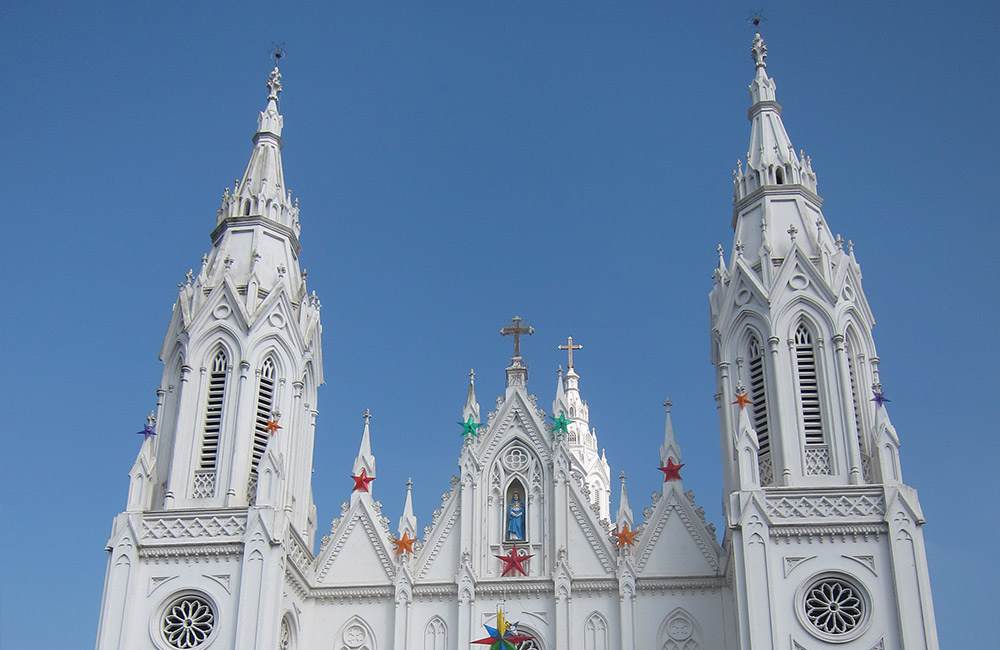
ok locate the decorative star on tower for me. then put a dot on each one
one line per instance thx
(625, 537)
(742, 399)
(672, 472)
(879, 397)
(404, 544)
(512, 561)
(470, 428)
(273, 426)
(149, 430)
(559, 424)
(504, 636)
(362, 481)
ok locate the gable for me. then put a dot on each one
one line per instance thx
(675, 542)
(439, 556)
(589, 551)
(357, 552)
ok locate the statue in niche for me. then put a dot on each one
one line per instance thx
(515, 518)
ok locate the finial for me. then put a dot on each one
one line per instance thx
(667, 403)
(151, 418)
(409, 483)
(367, 416)
(189, 276)
(739, 247)
(850, 247)
(274, 84)
(758, 50)
(559, 370)
(622, 477)
(792, 231)
(839, 242)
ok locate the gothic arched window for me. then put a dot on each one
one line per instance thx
(265, 409)
(435, 635)
(808, 381)
(758, 395)
(595, 633)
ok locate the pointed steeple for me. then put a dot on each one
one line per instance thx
(408, 522)
(771, 158)
(365, 459)
(624, 514)
(262, 192)
(471, 408)
(669, 449)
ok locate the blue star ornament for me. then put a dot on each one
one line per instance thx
(147, 432)
(880, 399)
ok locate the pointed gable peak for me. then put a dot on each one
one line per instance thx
(669, 449)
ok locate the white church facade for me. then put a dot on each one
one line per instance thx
(822, 546)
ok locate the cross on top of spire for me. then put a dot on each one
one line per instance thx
(516, 330)
(569, 347)
(367, 416)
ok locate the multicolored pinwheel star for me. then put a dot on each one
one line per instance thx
(512, 561)
(742, 399)
(361, 481)
(504, 636)
(404, 544)
(625, 537)
(559, 424)
(672, 472)
(148, 431)
(880, 399)
(470, 428)
(273, 426)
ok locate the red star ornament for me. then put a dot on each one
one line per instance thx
(742, 399)
(513, 561)
(625, 537)
(273, 426)
(361, 481)
(405, 544)
(672, 472)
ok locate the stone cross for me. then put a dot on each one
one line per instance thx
(570, 347)
(367, 416)
(516, 331)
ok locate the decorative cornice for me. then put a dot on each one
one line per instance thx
(257, 220)
(199, 551)
(843, 531)
(680, 584)
(354, 593)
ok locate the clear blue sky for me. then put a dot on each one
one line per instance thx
(459, 162)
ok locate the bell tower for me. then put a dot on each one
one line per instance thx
(825, 538)
(223, 489)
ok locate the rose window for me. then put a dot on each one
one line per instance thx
(515, 459)
(188, 622)
(834, 606)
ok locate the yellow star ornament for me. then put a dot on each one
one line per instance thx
(626, 536)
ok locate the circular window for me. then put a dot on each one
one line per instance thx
(834, 608)
(516, 459)
(188, 622)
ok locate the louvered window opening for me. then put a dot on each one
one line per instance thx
(213, 413)
(265, 406)
(759, 397)
(805, 360)
(855, 397)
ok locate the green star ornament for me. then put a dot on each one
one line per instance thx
(560, 423)
(470, 428)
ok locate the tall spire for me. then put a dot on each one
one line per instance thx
(262, 191)
(771, 158)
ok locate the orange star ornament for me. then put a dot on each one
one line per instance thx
(273, 426)
(404, 544)
(625, 537)
(742, 399)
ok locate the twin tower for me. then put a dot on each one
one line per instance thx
(822, 546)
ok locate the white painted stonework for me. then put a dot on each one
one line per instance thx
(823, 544)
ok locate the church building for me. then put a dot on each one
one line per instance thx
(822, 547)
